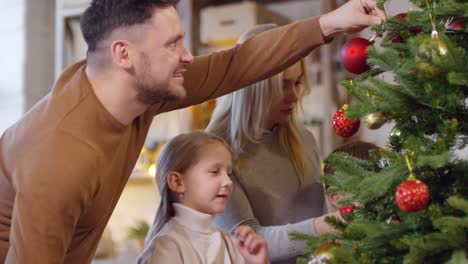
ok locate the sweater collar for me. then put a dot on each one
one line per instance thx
(193, 219)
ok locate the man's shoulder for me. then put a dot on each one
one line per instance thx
(47, 114)
(58, 159)
(59, 140)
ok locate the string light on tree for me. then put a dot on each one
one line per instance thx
(394, 219)
(396, 138)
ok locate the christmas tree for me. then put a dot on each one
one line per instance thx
(412, 197)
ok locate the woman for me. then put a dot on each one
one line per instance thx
(276, 188)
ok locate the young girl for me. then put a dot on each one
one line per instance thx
(193, 175)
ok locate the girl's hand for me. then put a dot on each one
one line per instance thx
(253, 248)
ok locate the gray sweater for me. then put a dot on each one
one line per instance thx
(268, 197)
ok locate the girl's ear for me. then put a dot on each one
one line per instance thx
(175, 182)
(334, 198)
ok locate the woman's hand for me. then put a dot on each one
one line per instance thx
(322, 227)
(253, 247)
(352, 17)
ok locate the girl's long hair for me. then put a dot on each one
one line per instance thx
(239, 117)
(179, 154)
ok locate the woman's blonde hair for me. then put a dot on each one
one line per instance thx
(179, 154)
(239, 117)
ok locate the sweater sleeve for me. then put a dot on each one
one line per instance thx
(51, 195)
(260, 57)
(280, 247)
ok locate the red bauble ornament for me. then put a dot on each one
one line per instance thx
(342, 126)
(398, 38)
(456, 25)
(412, 195)
(347, 210)
(401, 16)
(354, 55)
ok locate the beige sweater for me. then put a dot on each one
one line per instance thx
(64, 165)
(188, 237)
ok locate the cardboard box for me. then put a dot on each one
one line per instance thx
(75, 3)
(222, 25)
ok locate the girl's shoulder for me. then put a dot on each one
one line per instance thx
(166, 246)
(170, 235)
(158, 248)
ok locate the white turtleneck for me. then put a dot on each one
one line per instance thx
(189, 237)
(192, 219)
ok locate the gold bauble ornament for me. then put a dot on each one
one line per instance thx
(375, 120)
(434, 49)
(427, 71)
(322, 253)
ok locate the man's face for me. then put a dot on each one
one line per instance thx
(162, 59)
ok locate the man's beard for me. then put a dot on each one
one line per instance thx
(147, 91)
(150, 95)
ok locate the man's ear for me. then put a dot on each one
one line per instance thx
(121, 54)
(175, 182)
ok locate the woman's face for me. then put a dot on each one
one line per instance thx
(283, 107)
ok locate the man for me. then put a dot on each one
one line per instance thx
(64, 165)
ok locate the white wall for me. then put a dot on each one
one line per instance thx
(12, 33)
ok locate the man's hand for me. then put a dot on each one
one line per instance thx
(352, 17)
(252, 247)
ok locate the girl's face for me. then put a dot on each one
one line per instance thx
(283, 107)
(208, 184)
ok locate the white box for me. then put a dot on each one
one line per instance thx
(75, 4)
(221, 25)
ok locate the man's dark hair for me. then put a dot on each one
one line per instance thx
(358, 149)
(104, 16)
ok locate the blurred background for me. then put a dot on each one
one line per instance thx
(39, 38)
